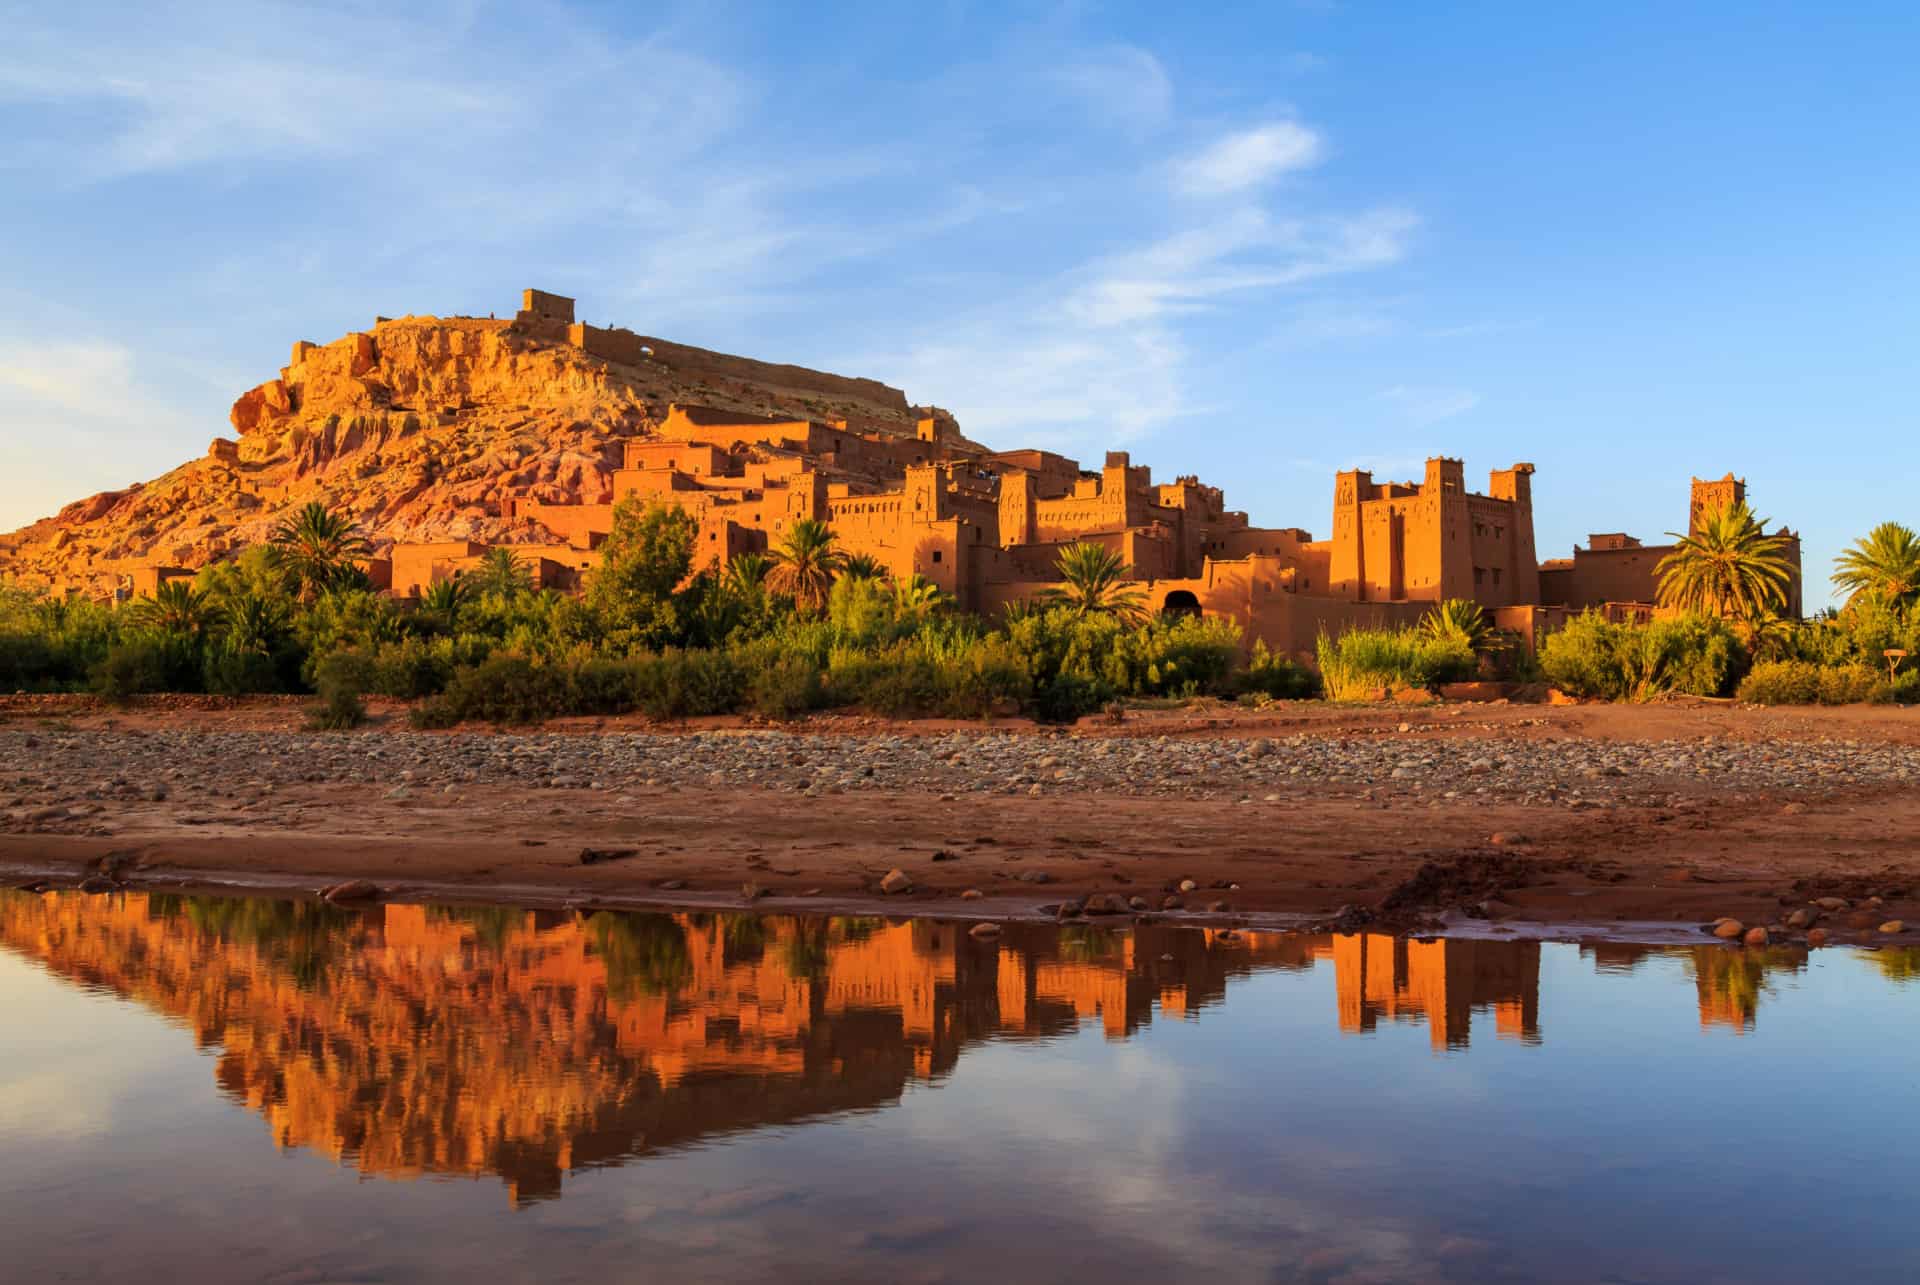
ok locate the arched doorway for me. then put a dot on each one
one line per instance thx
(1181, 602)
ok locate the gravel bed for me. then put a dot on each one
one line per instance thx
(44, 769)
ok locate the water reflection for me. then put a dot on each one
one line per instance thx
(414, 1040)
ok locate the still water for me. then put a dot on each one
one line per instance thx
(253, 1090)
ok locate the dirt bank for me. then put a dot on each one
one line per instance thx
(1602, 819)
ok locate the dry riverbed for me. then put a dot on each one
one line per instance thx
(1597, 820)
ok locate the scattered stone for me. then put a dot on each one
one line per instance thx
(1034, 876)
(593, 856)
(1728, 929)
(984, 929)
(1138, 903)
(1801, 919)
(1103, 903)
(895, 881)
(944, 855)
(1818, 937)
(1832, 903)
(1893, 926)
(1172, 903)
(1794, 809)
(351, 890)
(1188, 885)
(1756, 937)
(97, 884)
(671, 885)
(752, 891)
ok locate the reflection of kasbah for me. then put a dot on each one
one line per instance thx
(1440, 981)
(898, 484)
(484, 1041)
(1730, 981)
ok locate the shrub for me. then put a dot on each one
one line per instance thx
(1593, 656)
(785, 689)
(1271, 674)
(1066, 697)
(230, 672)
(1854, 685)
(132, 667)
(1364, 663)
(340, 709)
(502, 689)
(685, 684)
(1781, 682)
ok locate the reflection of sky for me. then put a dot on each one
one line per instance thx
(1256, 1142)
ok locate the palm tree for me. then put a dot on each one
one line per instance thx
(1461, 620)
(179, 609)
(861, 566)
(255, 623)
(746, 576)
(1884, 567)
(316, 548)
(915, 595)
(805, 565)
(1728, 566)
(1095, 583)
(445, 598)
(500, 572)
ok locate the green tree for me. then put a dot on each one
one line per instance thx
(1095, 583)
(178, 610)
(1730, 566)
(862, 566)
(316, 549)
(443, 601)
(1884, 567)
(746, 576)
(805, 565)
(645, 557)
(916, 596)
(1459, 620)
(501, 572)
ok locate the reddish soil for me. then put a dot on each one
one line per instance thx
(1603, 870)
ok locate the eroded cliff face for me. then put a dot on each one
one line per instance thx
(421, 429)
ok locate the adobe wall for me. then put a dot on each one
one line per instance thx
(416, 566)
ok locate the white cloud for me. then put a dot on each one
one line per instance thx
(1423, 406)
(1120, 84)
(1248, 159)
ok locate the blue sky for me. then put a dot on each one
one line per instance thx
(1630, 243)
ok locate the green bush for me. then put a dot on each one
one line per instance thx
(785, 689)
(1271, 674)
(1781, 682)
(229, 672)
(340, 709)
(1854, 685)
(136, 666)
(1593, 656)
(1362, 664)
(505, 689)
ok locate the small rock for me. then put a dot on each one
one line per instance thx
(984, 930)
(895, 881)
(1728, 929)
(1756, 936)
(944, 855)
(1034, 876)
(1138, 903)
(1794, 809)
(351, 890)
(671, 885)
(752, 891)
(972, 894)
(1817, 937)
(1172, 903)
(1832, 903)
(1894, 926)
(1801, 919)
(1188, 885)
(97, 884)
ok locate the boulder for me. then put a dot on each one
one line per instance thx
(1728, 929)
(895, 881)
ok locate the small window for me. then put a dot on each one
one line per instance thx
(1479, 575)
(1496, 575)
(936, 555)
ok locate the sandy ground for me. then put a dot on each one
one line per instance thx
(1301, 855)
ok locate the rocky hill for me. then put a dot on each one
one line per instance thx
(421, 428)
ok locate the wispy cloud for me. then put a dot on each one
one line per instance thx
(1249, 159)
(1423, 406)
(1119, 84)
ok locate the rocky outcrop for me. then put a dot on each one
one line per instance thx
(422, 428)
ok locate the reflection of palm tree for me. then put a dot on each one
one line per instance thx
(1899, 963)
(492, 926)
(644, 954)
(807, 952)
